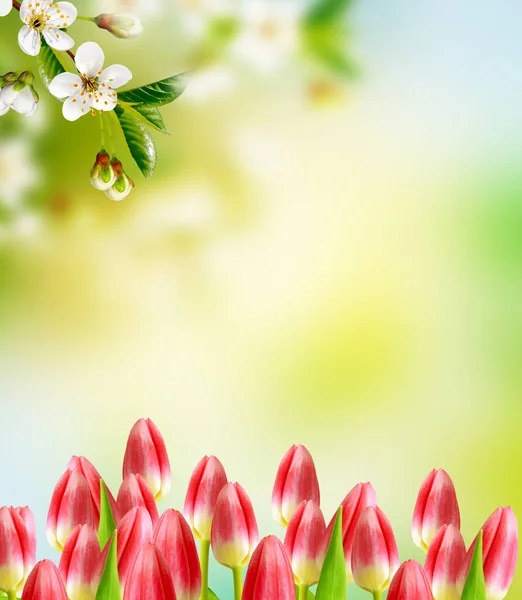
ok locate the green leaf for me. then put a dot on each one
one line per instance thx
(152, 117)
(156, 94)
(475, 585)
(109, 588)
(107, 524)
(211, 595)
(48, 63)
(332, 582)
(140, 142)
(327, 11)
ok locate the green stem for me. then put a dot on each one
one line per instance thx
(302, 591)
(103, 137)
(204, 555)
(78, 18)
(11, 595)
(111, 149)
(377, 595)
(238, 582)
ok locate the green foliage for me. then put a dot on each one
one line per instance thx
(332, 582)
(151, 117)
(140, 142)
(156, 94)
(211, 595)
(48, 64)
(109, 588)
(107, 524)
(326, 12)
(309, 595)
(475, 585)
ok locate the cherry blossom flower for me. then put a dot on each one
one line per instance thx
(22, 101)
(46, 20)
(5, 7)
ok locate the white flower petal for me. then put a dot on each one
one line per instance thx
(115, 76)
(29, 41)
(74, 107)
(7, 95)
(62, 14)
(105, 100)
(32, 112)
(24, 101)
(65, 85)
(25, 11)
(89, 59)
(57, 39)
(4, 109)
(5, 9)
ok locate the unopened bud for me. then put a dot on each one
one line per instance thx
(8, 78)
(123, 185)
(102, 173)
(121, 25)
(27, 78)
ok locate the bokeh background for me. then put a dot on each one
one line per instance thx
(327, 256)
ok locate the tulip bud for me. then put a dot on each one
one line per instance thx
(296, 480)
(17, 550)
(121, 25)
(436, 506)
(207, 480)
(44, 583)
(174, 538)
(499, 552)
(375, 556)
(269, 575)
(28, 518)
(410, 582)
(134, 530)
(71, 505)
(79, 563)
(444, 561)
(135, 491)
(357, 499)
(234, 533)
(102, 175)
(305, 533)
(146, 453)
(121, 188)
(150, 577)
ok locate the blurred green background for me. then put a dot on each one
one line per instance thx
(325, 256)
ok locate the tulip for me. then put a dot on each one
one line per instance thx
(174, 538)
(30, 525)
(375, 556)
(146, 454)
(134, 530)
(89, 471)
(436, 506)
(71, 505)
(357, 499)
(499, 552)
(79, 563)
(17, 551)
(121, 25)
(44, 583)
(296, 480)
(134, 491)
(269, 574)
(410, 583)
(444, 561)
(305, 533)
(150, 577)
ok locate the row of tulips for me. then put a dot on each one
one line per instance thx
(113, 548)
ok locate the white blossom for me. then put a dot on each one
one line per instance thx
(44, 19)
(5, 7)
(22, 101)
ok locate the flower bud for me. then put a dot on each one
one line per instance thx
(71, 505)
(357, 499)
(44, 583)
(134, 530)
(305, 533)
(30, 525)
(146, 453)
(150, 577)
(269, 575)
(121, 188)
(102, 175)
(26, 78)
(174, 538)
(121, 25)
(234, 533)
(22, 98)
(134, 492)
(8, 78)
(17, 550)
(499, 552)
(444, 561)
(80, 562)
(375, 556)
(436, 506)
(207, 480)
(410, 582)
(296, 480)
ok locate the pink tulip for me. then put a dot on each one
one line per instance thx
(79, 563)
(146, 455)
(305, 533)
(71, 505)
(150, 577)
(375, 556)
(436, 506)
(357, 499)
(134, 530)
(207, 480)
(444, 561)
(410, 583)
(174, 538)
(499, 553)
(296, 480)
(89, 471)
(269, 574)
(30, 524)
(134, 492)
(234, 533)
(17, 549)
(44, 583)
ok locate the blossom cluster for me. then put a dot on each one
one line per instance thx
(155, 557)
